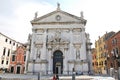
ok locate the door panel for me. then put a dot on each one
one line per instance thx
(18, 70)
(57, 62)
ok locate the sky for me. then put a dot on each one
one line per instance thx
(15, 15)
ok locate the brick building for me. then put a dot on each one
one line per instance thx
(17, 61)
(113, 47)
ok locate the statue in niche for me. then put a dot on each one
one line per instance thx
(38, 53)
(57, 35)
(77, 54)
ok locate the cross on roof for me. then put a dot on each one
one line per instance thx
(58, 6)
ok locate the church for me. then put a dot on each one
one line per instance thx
(58, 44)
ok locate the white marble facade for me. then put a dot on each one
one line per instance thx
(58, 44)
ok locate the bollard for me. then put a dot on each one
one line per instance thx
(73, 75)
(38, 76)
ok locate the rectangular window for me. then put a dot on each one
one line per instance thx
(93, 64)
(8, 52)
(115, 40)
(12, 69)
(13, 57)
(4, 50)
(10, 42)
(2, 62)
(6, 40)
(7, 62)
(112, 41)
(116, 52)
(14, 44)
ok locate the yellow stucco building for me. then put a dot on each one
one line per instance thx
(101, 55)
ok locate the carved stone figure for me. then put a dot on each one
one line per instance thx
(77, 54)
(36, 14)
(57, 35)
(38, 53)
(82, 14)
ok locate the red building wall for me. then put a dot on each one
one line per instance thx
(113, 44)
(17, 61)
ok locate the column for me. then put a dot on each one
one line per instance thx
(44, 53)
(27, 59)
(71, 44)
(44, 44)
(49, 62)
(65, 62)
(32, 45)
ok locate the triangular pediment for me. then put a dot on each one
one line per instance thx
(57, 16)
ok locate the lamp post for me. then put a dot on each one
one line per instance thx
(73, 74)
(38, 76)
(33, 66)
(82, 65)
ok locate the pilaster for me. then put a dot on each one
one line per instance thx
(65, 60)
(71, 45)
(50, 61)
(44, 45)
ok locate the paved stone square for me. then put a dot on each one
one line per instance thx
(35, 77)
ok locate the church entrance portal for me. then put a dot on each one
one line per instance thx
(58, 62)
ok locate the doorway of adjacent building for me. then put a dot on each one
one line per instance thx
(12, 69)
(18, 70)
(58, 62)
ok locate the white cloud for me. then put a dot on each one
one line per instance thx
(19, 27)
(101, 16)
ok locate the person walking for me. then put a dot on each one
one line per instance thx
(54, 77)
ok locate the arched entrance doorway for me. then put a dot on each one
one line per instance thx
(58, 62)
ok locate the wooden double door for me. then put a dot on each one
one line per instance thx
(58, 62)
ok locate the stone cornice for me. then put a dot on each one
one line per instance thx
(38, 44)
(78, 61)
(57, 43)
(77, 45)
(37, 62)
(54, 23)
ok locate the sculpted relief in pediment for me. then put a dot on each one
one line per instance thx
(56, 41)
(57, 37)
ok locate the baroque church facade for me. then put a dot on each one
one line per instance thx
(58, 44)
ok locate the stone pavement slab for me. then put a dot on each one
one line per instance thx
(35, 77)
